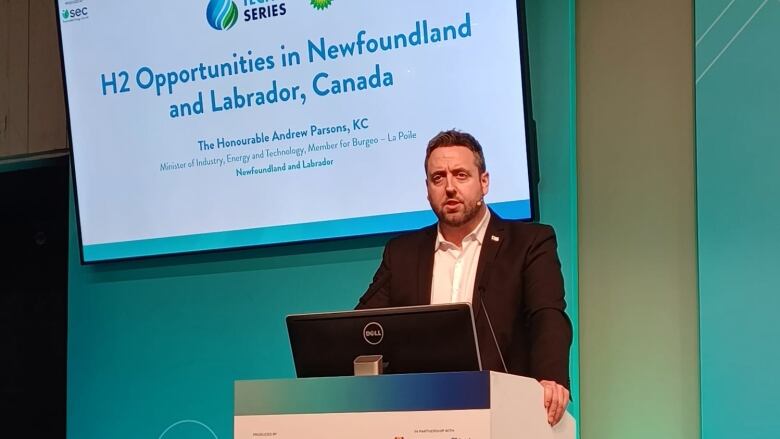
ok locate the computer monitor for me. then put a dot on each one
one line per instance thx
(414, 339)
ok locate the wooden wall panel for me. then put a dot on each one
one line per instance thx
(13, 76)
(46, 100)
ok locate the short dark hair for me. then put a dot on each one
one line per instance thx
(456, 138)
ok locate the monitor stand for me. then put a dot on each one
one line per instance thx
(367, 365)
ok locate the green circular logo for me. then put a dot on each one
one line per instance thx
(221, 14)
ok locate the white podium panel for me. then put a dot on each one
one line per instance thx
(433, 406)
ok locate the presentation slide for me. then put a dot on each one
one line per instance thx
(211, 124)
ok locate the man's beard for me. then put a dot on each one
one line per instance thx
(457, 219)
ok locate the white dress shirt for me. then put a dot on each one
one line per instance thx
(455, 268)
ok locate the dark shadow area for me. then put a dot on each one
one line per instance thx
(33, 297)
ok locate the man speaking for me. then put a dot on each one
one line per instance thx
(508, 270)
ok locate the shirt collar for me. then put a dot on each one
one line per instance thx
(478, 234)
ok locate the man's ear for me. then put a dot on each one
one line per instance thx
(484, 180)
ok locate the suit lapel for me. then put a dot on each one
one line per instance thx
(494, 238)
(425, 271)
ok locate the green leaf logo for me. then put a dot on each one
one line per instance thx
(65, 14)
(321, 4)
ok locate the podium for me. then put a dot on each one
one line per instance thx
(460, 405)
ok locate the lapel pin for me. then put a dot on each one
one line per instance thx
(494, 238)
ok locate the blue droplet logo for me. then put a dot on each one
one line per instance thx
(221, 14)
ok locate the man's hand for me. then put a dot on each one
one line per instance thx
(556, 398)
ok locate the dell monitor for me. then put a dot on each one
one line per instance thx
(414, 339)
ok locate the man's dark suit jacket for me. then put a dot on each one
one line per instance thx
(518, 285)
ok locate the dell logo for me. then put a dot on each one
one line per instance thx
(373, 333)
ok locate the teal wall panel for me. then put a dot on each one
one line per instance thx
(154, 345)
(155, 342)
(738, 158)
(552, 58)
